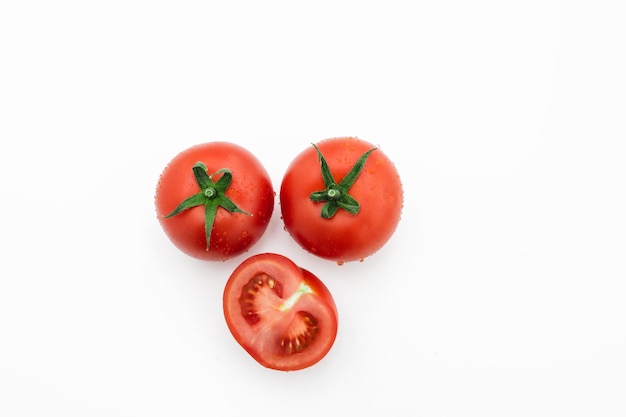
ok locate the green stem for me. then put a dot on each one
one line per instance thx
(336, 196)
(211, 196)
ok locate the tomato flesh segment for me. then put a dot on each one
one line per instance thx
(300, 334)
(259, 296)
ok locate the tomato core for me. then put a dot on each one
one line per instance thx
(302, 289)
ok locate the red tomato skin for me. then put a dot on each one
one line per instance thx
(233, 233)
(344, 237)
(261, 342)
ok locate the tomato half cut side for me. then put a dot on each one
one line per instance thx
(281, 314)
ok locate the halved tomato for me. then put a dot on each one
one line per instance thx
(281, 314)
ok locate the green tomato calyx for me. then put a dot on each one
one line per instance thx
(211, 196)
(335, 195)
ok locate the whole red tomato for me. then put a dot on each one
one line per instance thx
(341, 199)
(214, 200)
(281, 314)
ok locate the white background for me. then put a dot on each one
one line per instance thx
(502, 292)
